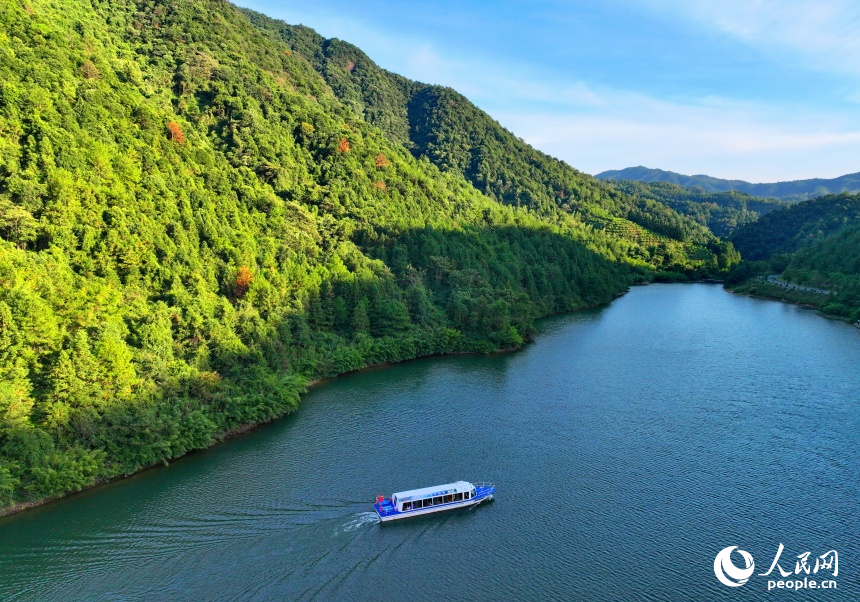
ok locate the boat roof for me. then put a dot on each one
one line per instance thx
(414, 494)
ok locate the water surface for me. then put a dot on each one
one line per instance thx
(629, 445)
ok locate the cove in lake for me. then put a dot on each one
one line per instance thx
(629, 445)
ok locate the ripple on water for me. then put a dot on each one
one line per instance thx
(628, 444)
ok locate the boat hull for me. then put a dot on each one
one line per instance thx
(386, 516)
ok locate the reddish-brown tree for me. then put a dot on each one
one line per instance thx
(90, 71)
(244, 277)
(382, 160)
(343, 147)
(175, 132)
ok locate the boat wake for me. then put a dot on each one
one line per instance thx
(360, 520)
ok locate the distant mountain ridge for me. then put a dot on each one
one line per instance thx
(797, 190)
(721, 212)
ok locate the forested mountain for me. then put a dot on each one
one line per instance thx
(814, 244)
(721, 212)
(798, 190)
(193, 226)
(442, 126)
(834, 264)
(797, 226)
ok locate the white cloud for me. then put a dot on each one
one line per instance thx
(820, 33)
(720, 139)
(498, 84)
(597, 128)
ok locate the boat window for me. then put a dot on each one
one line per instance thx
(458, 497)
(437, 501)
(407, 505)
(466, 495)
(473, 493)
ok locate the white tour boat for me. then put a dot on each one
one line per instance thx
(428, 500)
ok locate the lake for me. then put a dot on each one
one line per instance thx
(629, 444)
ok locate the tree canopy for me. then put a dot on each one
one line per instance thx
(814, 244)
(194, 223)
(721, 212)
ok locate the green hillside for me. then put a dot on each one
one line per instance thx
(832, 264)
(442, 126)
(822, 262)
(721, 212)
(798, 226)
(797, 190)
(194, 224)
(815, 245)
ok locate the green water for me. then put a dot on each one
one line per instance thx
(629, 445)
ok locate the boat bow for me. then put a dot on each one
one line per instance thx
(484, 490)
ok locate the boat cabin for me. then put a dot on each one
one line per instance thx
(415, 499)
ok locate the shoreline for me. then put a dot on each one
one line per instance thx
(247, 428)
(243, 429)
(801, 304)
(325, 379)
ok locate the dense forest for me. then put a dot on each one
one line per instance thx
(444, 127)
(833, 264)
(195, 223)
(797, 226)
(721, 212)
(797, 190)
(814, 244)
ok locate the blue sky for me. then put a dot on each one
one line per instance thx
(761, 90)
